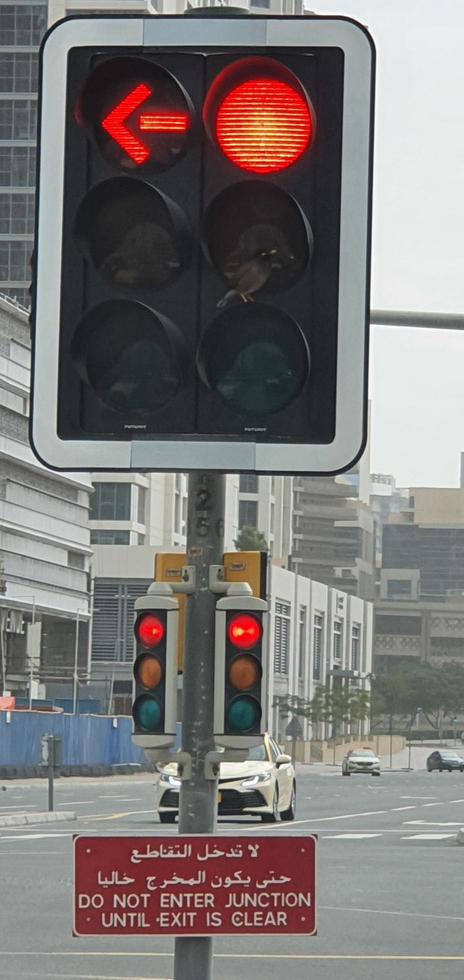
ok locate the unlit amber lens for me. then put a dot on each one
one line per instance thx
(244, 673)
(149, 672)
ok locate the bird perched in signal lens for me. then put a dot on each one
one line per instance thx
(248, 267)
(250, 276)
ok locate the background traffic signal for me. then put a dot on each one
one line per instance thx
(154, 707)
(203, 244)
(240, 682)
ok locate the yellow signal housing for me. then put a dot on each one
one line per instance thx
(168, 568)
(239, 566)
(247, 566)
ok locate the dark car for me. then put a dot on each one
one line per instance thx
(445, 759)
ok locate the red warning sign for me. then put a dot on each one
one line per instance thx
(198, 885)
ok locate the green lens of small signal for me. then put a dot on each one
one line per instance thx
(147, 713)
(244, 714)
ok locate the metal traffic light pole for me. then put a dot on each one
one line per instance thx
(197, 807)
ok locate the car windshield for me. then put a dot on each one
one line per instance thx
(257, 753)
(365, 753)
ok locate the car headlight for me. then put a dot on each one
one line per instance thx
(171, 780)
(264, 777)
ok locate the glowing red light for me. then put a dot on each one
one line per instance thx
(113, 124)
(244, 631)
(150, 630)
(263, 125)
(164, 122)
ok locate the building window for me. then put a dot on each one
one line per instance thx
(318, 627)
(111, 502)
(76, 559)
(301, 642)
(281, 637)
(23, 25)
(18, 119)
(248, 513)
(16, 214)
(337, 641)
(355, 641)
(109, 537)
(17, 166)
(141, 501)
(18, 71)
(14, 261)
(177, 513)
(398, 587)
(248, 483)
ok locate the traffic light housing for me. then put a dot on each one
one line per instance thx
(154, 706)
(240, 671)
(202, 289)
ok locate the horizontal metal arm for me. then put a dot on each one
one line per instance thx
(411, 318)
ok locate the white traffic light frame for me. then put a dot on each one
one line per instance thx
(218, 454)
(240, 603)
(153, 601)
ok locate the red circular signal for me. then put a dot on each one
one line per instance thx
(244, 631)
(263, 125)
(150, 630)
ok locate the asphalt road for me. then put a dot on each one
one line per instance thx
(390, 878)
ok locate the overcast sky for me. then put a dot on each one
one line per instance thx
(416, 376)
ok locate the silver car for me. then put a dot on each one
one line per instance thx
(361, 760)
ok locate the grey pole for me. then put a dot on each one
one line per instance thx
(51, 772)
(193, 959)
(415, 318)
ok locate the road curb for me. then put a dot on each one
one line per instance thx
(24, 819)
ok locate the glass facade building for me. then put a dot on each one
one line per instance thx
(21, 28)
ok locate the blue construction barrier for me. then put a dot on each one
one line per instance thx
(86, 740)
(85, 706)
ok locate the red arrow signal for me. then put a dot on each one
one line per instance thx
(153, 122)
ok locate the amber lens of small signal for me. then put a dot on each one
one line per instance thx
(244, 673)
(149, 672)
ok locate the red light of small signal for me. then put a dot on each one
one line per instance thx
(150, 630)
(150, 122)
(244, 631)
(164, 122)
(113, 124)
(264, 125)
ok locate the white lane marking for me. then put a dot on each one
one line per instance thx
(22, 837)
(87, 976)
(398, 808)
(76, 803)
(433, 804)
(427, 836)
(29, 854)
(434, 823)
(415, 915)
(112, 796)
(130, 799)
(18, 806)
(349, 836)
(114, 816)
(343, 816)
(417, 797)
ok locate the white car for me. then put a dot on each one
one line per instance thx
(361, 760)
(263, 785)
